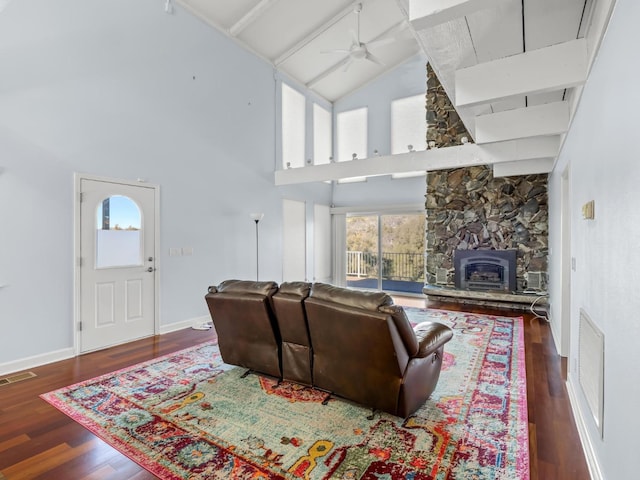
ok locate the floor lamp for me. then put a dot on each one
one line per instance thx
(256, 217)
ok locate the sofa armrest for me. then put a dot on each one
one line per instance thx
(431, 336)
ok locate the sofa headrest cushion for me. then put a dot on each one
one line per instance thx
(299, 289)
(352, 298)
(403, 326)
(248, 286)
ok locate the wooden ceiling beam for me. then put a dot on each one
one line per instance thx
(564, 65)
(523, 167)
(547, 119)
(303, 42)
(427, 160)
(250, 17)
(343, 62)
(325, 73)
(429, 13)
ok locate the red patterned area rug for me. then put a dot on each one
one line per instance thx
(189, 416)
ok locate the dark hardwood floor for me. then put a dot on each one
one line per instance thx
(39, 442)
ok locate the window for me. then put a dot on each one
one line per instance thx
(293, 127)
(408, 124)
(118, 228)
(385, 252)
(322, 126)
(352, 134)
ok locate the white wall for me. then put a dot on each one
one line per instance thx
(602, 152)
(406, 80)
(121, 89)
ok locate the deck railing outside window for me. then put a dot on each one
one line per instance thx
(395, 266)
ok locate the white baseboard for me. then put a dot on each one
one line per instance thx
(36, 361)
(66, 353)
(587, 446)
(554, 335)
(174, 327)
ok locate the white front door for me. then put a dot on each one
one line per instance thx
(117, 263)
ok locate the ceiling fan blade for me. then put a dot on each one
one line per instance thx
(374, 59)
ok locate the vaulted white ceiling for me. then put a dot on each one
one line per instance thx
(315, 41)
(513, 68)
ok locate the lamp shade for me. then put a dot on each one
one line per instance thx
(256, 217)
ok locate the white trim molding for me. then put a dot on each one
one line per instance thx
(587, 446)
(36, 361)
(380, 209)
(67, 353)
(78, 177)
(184, 324)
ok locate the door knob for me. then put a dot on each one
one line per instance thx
(150, 269)
(150, 259)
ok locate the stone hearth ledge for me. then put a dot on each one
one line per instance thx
(489, 298)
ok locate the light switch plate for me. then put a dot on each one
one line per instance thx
(588, 210)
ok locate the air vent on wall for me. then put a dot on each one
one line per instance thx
(441, 276)
(591, 366)
(534, 281)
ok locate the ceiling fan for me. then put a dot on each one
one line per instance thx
(358, 50)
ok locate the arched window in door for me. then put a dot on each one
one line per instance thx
(118, 233)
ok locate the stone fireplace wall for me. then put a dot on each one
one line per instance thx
(468, 209)
(444, 126)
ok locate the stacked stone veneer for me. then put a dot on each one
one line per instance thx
(444, 126)
(469, 209)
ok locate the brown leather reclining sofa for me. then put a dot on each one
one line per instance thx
(354, 344)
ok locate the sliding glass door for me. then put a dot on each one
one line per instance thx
(386, 252)
(362, 251)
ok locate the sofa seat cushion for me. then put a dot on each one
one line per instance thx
(292, 321)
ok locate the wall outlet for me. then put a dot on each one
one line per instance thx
(175, 252)
(187, 251)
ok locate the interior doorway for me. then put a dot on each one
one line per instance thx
(116, 292)
(566, 267)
